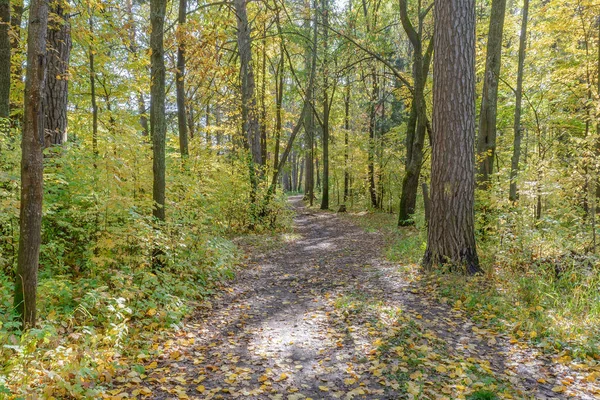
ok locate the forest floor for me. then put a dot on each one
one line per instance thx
(319, 314)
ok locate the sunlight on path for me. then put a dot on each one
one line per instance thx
(322, 317)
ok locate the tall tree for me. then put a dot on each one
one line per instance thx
(32, 168)
(451, 233)
(5, 49)
(251, 125)
(326, 105)
(92, 66)
(180, 80)
(518, 130)
(309, 118)
(158, 125)
(57, 83)
(417, 123)
(486, 140)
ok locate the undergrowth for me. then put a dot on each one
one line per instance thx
(100, 301)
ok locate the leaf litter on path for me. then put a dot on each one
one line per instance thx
(322, 316)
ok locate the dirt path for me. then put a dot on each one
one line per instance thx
(321, 316)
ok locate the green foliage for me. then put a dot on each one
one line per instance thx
(99, 300)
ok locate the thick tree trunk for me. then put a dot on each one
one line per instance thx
(158, 126)
(180, 80)
(451, 234)
(5, 50)
(514, 165)
(486, 141)
(57, 83)
(32, 168)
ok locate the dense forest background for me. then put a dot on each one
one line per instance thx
(172, 127)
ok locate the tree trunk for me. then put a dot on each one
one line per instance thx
(371, 152)
(180, 80)
(32, 168)
(279, 82)
(57, 83)
(133, 49)
(325, 136)
(250, 120)
(346, 140)
(300, 176)
(158, 126)
(514, 165)
(417, 123)
(5, 50)
(263, 95)
(91, 52)
(309, 120)
(294, 171)
(190, 121)
(317, 169)
(451, 234)
(486, 141)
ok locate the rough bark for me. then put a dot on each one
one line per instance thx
(180, 80)
(158, 124)
(514, 165)
(486, 140)
(32, 169)
(5, 50)
(451, 234)
(57, 83)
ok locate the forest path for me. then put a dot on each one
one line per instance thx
(320, 315)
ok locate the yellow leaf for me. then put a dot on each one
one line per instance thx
(151, 312)
(533, 334)
(152, 365)
(349, 381)
(592, 377)
(416, 375)
(413, 388)
(262, 378)
(200, 388)
(559, 389)
(441, 369)
(282, 377)
(324, 388)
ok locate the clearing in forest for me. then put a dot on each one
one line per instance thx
(320, 315)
